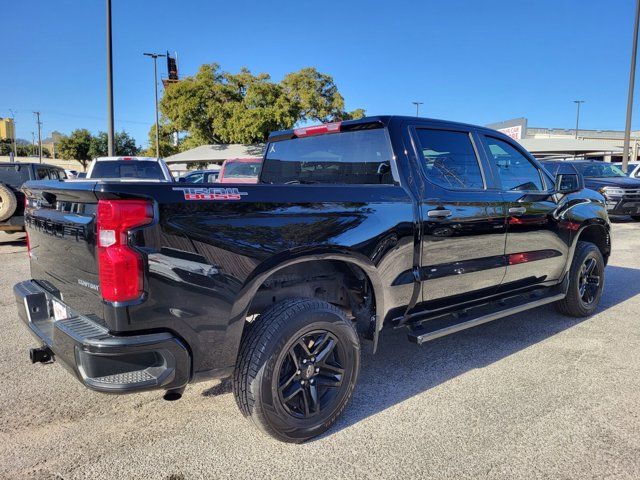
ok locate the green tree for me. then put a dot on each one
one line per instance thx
(125, 145)
(166, 142)
(220, 107)
(76, 146)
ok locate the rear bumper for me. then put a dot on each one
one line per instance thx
(100, 360)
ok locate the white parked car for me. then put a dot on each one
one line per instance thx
(130, 169)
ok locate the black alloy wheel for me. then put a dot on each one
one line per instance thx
(311, 373)
(589, 280)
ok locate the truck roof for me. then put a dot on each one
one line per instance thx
(4, 164)
(382, 120)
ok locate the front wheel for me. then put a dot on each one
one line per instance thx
(297, 368)
(586, 281)
(636, 217)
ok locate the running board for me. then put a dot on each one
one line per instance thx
(455, 322)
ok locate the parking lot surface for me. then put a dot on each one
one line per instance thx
(535, 395)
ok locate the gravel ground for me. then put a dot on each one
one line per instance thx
(535, 395)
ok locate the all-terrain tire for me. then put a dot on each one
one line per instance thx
(267, 346)
(574, 304)
(8, 203)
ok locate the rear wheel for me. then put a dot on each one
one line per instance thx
(8, 202)
(586, 281)
(297, 368)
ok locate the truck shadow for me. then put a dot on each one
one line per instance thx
(401, 369)
(13, 240)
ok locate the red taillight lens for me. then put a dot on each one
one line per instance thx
(119, 266)
(26, 205)
(318, 129)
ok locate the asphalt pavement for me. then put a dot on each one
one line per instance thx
(535, 395)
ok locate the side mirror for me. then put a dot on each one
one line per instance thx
(568, 179)
(182, 180)
(569, 182)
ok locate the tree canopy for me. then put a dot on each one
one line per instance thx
(80, 145)
(76, 146)
(124, 145)
(214, 106)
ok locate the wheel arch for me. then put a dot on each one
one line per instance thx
(280, 262)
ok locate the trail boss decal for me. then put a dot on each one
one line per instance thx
(211, 193)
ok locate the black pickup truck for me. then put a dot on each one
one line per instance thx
(353, 227)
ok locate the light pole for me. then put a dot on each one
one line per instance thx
(632, 79)
(110, 136)
(37, 114)
(417, 104)
(578, 102)
(155, 86)
(15, 135)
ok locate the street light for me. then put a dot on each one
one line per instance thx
(632, 79)
(155, 86)
(110, 136)
(578, 102)
(417, 104)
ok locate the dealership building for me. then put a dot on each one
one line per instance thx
(605, 145)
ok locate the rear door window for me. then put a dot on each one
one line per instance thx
(450, 159)
(357, 157)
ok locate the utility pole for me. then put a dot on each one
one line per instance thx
(15, 135)
(33, 143)
(632, 79)
(417, 104)
(37, 114)
(110, 129)
(155, 86)
(578, 102)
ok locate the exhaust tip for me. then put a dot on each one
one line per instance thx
(173, 395)
(40, 355)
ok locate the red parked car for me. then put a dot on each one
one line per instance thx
(240, 170)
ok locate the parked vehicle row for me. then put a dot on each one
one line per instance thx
(398, 222)
(622, 192)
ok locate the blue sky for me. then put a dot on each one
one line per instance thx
(467, 60)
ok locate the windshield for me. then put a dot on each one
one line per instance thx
(241, 169)
(128, 169)
(599, 170)
(358, 157)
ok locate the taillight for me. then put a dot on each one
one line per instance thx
(120, 266)
(26, 204)
(318, 129)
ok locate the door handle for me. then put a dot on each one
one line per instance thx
(517, 210)
(439, 213)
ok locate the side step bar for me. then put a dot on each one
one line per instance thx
(455, 322)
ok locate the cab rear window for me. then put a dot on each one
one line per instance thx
(358, 157)
(127, 169)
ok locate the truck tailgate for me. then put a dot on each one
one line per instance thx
(60, 222)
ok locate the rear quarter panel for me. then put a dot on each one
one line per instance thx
(206, 258)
